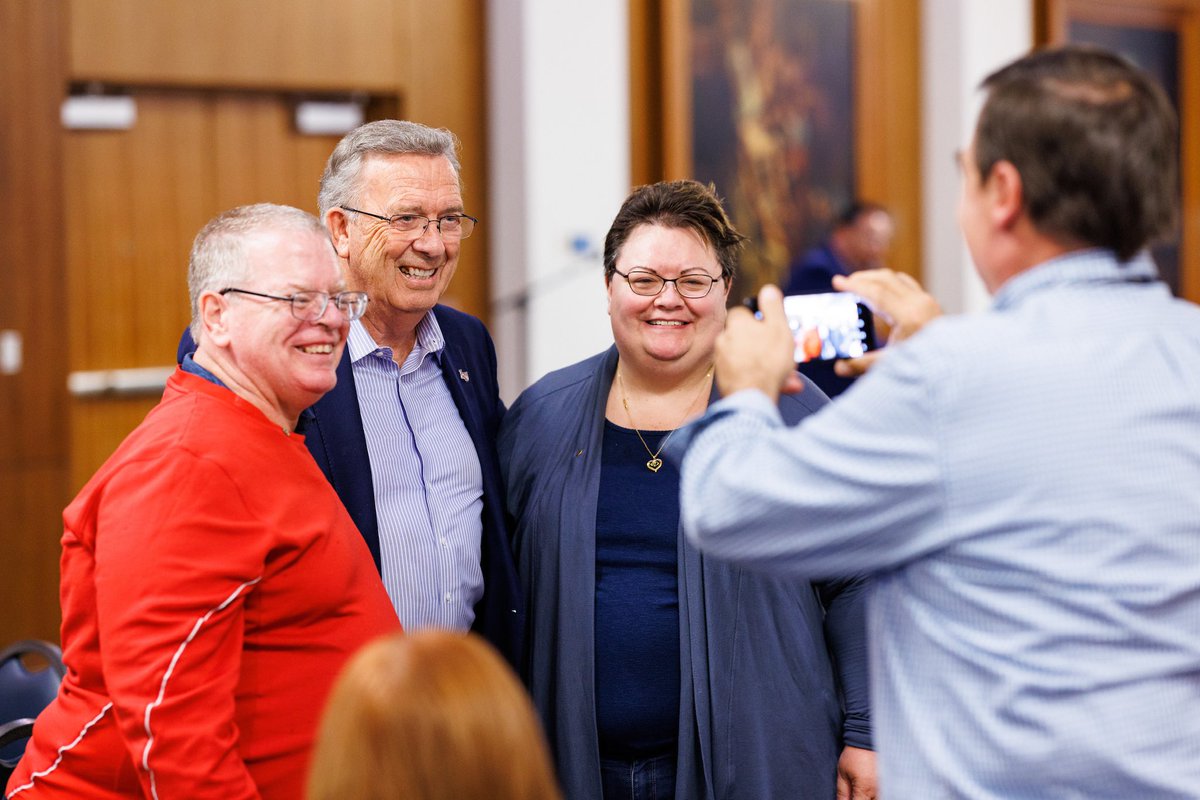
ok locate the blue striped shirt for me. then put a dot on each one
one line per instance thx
(1025, 484)
(427, 481)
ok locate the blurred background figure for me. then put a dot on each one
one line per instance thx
(658, 672)
(434, 715)
(861, 238)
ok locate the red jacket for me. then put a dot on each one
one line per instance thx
(212, 587)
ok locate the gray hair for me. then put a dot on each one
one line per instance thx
(219, 259)
(339, 182)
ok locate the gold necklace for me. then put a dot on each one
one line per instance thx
(655, 463)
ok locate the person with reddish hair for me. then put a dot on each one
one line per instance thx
(434, 715)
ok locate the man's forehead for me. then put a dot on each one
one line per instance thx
(295, 258)
(408, 170)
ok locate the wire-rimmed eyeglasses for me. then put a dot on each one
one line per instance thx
(310, 306)
(650, 284)
(450, 226)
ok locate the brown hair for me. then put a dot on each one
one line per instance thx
(432, 715)
(676, 204)
(1095, 142)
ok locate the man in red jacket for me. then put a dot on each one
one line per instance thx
(212, 582)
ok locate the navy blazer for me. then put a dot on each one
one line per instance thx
(333, 432)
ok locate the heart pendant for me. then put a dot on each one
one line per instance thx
(654, 464)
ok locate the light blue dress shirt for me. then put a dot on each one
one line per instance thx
(427, 480)
(1025, 484)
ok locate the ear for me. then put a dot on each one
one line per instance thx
(338, 224)
(214, 319)
(1006, 193)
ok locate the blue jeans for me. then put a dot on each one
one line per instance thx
(650, 779)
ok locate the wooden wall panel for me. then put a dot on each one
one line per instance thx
(139, 197)
(888, 135)
(447, 88)
(31, 501)
(307, 45)
(33, 440)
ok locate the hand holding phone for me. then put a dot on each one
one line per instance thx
(827, 326)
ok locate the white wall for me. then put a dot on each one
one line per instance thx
(559, 150)
(962, 42)
(559, 153)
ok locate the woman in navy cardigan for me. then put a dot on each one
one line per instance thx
(653, 666)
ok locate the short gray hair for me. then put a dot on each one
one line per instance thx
(339, 182)
(219, 259)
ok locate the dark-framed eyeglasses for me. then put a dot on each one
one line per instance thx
(310, 306)
(450, 226)
(650, 284)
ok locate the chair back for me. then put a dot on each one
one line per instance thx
(26, 687)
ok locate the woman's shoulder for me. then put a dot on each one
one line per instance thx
(795, 407)
(562, 385)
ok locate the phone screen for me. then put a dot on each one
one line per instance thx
(829, 326)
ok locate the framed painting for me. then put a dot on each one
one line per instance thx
(1162, 37)
(792, 108)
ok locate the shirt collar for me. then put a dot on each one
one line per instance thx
(189, 365)
(1094, 265)
(429, 340)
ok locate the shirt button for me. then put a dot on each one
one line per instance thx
(446, 597)
(443, 542)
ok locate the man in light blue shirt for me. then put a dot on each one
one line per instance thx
(1025, 483)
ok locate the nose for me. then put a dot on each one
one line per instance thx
(332, 316)
(431, 239)
(669, 295)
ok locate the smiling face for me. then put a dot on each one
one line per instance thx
(666, 331)
(276, 361)
(404, 276)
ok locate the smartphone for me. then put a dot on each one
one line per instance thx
(827, 326)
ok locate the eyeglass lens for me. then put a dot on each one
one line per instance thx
(452, 226)
(310, 306)
(649, 284)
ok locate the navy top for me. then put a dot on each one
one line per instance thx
(765, 663)
(637, 598)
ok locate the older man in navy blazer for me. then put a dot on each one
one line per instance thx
(407, 436)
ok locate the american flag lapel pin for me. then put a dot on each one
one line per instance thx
(464, 376)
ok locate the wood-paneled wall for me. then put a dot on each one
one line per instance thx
(93, 258)
(888, 108)
(33, 414)
(307, 45)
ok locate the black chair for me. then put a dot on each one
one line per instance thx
(26, 687)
